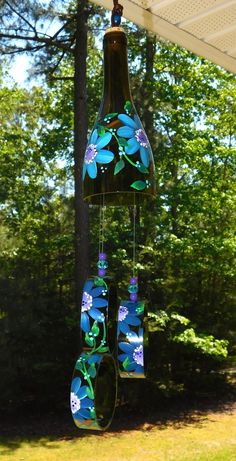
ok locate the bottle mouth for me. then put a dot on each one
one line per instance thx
(114, 29)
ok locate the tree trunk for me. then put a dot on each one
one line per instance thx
(148, 117)
(80, 140)
(174, 201)
(148, 84)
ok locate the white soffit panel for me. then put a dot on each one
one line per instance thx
(205, 27)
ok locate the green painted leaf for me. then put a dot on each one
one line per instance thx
(90, 393)
(140, 307)
(126, 363)
(98, 282)
(101, 130)
(103, 349)
(111, 115)
(88, 340)
(92, 370)
(95, 329)
(128, 106)
(123, 142)
(119, 166)
(139, 185)
(92, 413)
(78, 365)
(142, 168)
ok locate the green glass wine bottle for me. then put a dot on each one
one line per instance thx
(118, 161)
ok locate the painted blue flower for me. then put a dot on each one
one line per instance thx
(127, 315)
(133, 350)
(91, 358)
(79, 402)
(91, 303)
(137, 137)
(96, 154)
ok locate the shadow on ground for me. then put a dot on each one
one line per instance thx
(42, 429)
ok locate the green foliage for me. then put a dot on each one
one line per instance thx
(206, 344)
(185, 240)
(171, 323)
(161, 319)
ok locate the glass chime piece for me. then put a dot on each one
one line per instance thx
(118, 160)
(94, 383)
(132, 339)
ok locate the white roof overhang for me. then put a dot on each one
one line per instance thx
(205, 27)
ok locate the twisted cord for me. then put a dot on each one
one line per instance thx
(116, 13)
(101, 225)
(134, 236)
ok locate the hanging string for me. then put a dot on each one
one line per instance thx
(102, 257)
(134, 235)
(101, 225)
(103, 221)
(99, 230)
(116, 14)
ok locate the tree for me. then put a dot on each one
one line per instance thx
(184, 241)
(21, 31)
(36, 253)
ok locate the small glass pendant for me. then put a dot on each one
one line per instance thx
(118, 159)
(132, 335)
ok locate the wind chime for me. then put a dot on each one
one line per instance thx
(118, 170)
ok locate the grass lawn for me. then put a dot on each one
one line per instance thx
(198, 436)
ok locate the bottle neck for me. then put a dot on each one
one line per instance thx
(116, 89)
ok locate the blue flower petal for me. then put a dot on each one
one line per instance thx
(75, 385)
(84, 170)
(131, 306)
(100, 302)
(94, 358)
(92, 170)
(132, 320)
(131, 366)
(82, 392)
(137, 121)
(85, 403)
(122, 357)
(96, 291)
(134, 339)
(94, 137)
(88, 285)
(123, 327)
(78, 417)
(140, 333)
(103, 140)
(97, 315)
(104, 156)
(126, 347)
(82, 412)
(127, 121)
(139, 369)
(85, 324)
(125, 132)
(144, 154)
(133, 146)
